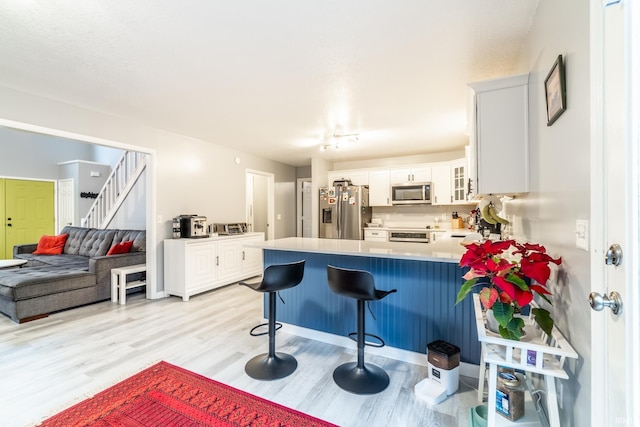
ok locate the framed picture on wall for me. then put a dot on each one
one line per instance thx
(555, 88)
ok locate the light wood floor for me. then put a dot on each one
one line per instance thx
(48, 364)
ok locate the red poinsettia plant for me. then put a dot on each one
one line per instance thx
(510, 274)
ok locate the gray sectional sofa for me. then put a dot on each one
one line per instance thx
(80, 275)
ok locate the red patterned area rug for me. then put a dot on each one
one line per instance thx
(169, 396)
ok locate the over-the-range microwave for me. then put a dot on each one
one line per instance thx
(411, 193)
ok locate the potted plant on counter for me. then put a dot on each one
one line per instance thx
(509, 274)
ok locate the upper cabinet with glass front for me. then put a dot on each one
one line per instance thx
(459, 181)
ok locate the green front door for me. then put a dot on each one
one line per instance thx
(28, 212)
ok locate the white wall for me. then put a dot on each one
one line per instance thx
(285, 209)
(399, 161)
(106, 155)
(560, 181)
(132, 214)
(190, 175)
(31, 155)
(80, 171)
(303, 172)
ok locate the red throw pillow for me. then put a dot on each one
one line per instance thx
(120, 248)
(51, 245)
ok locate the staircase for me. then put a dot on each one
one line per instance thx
(115, 190)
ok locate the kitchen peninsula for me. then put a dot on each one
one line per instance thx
(427, 277)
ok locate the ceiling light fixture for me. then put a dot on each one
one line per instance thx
(333, 140)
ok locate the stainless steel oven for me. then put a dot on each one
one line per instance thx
(415, 236)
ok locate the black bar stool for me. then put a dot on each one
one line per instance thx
(357, 377)
(272, 365)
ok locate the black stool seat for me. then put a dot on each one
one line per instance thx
(358, 377)
(272, 365)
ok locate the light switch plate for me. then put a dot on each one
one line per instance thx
(582, 234)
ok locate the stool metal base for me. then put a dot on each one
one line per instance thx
(368, 380)
(265, 367)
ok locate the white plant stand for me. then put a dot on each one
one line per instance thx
(535, 353)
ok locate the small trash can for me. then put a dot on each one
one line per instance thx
(444, 364)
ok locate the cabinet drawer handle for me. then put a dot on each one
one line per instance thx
(243, 255)
(217, 260)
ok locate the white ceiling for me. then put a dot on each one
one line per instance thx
(270, 77)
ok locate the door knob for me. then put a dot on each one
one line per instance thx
(613, 255)
(599, 302)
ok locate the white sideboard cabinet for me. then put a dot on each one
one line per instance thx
(500, 136)
(193, 266)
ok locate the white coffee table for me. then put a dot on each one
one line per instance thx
(8, 263)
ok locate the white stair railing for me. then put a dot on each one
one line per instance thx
(115, 190)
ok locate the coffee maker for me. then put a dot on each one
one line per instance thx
(189, 226)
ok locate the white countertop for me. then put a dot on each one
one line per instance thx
(442, 250)
(216, 236)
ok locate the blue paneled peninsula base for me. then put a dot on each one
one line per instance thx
(423, 310)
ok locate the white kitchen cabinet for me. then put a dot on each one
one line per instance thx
(193, 266)
(449, 180)
(199, 271)
(500, 136)
(252, 257)
(374, 235)
(420, 173)
(379, 188)
(357, 177)
(441, 184)
(229, 260)
(459, 181)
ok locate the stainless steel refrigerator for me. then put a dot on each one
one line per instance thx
(344, 211)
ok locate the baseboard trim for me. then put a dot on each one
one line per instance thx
(466, 369)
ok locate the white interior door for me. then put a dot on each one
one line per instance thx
(65, 203)
(260, 202)
(304, 204)
(615, 201)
